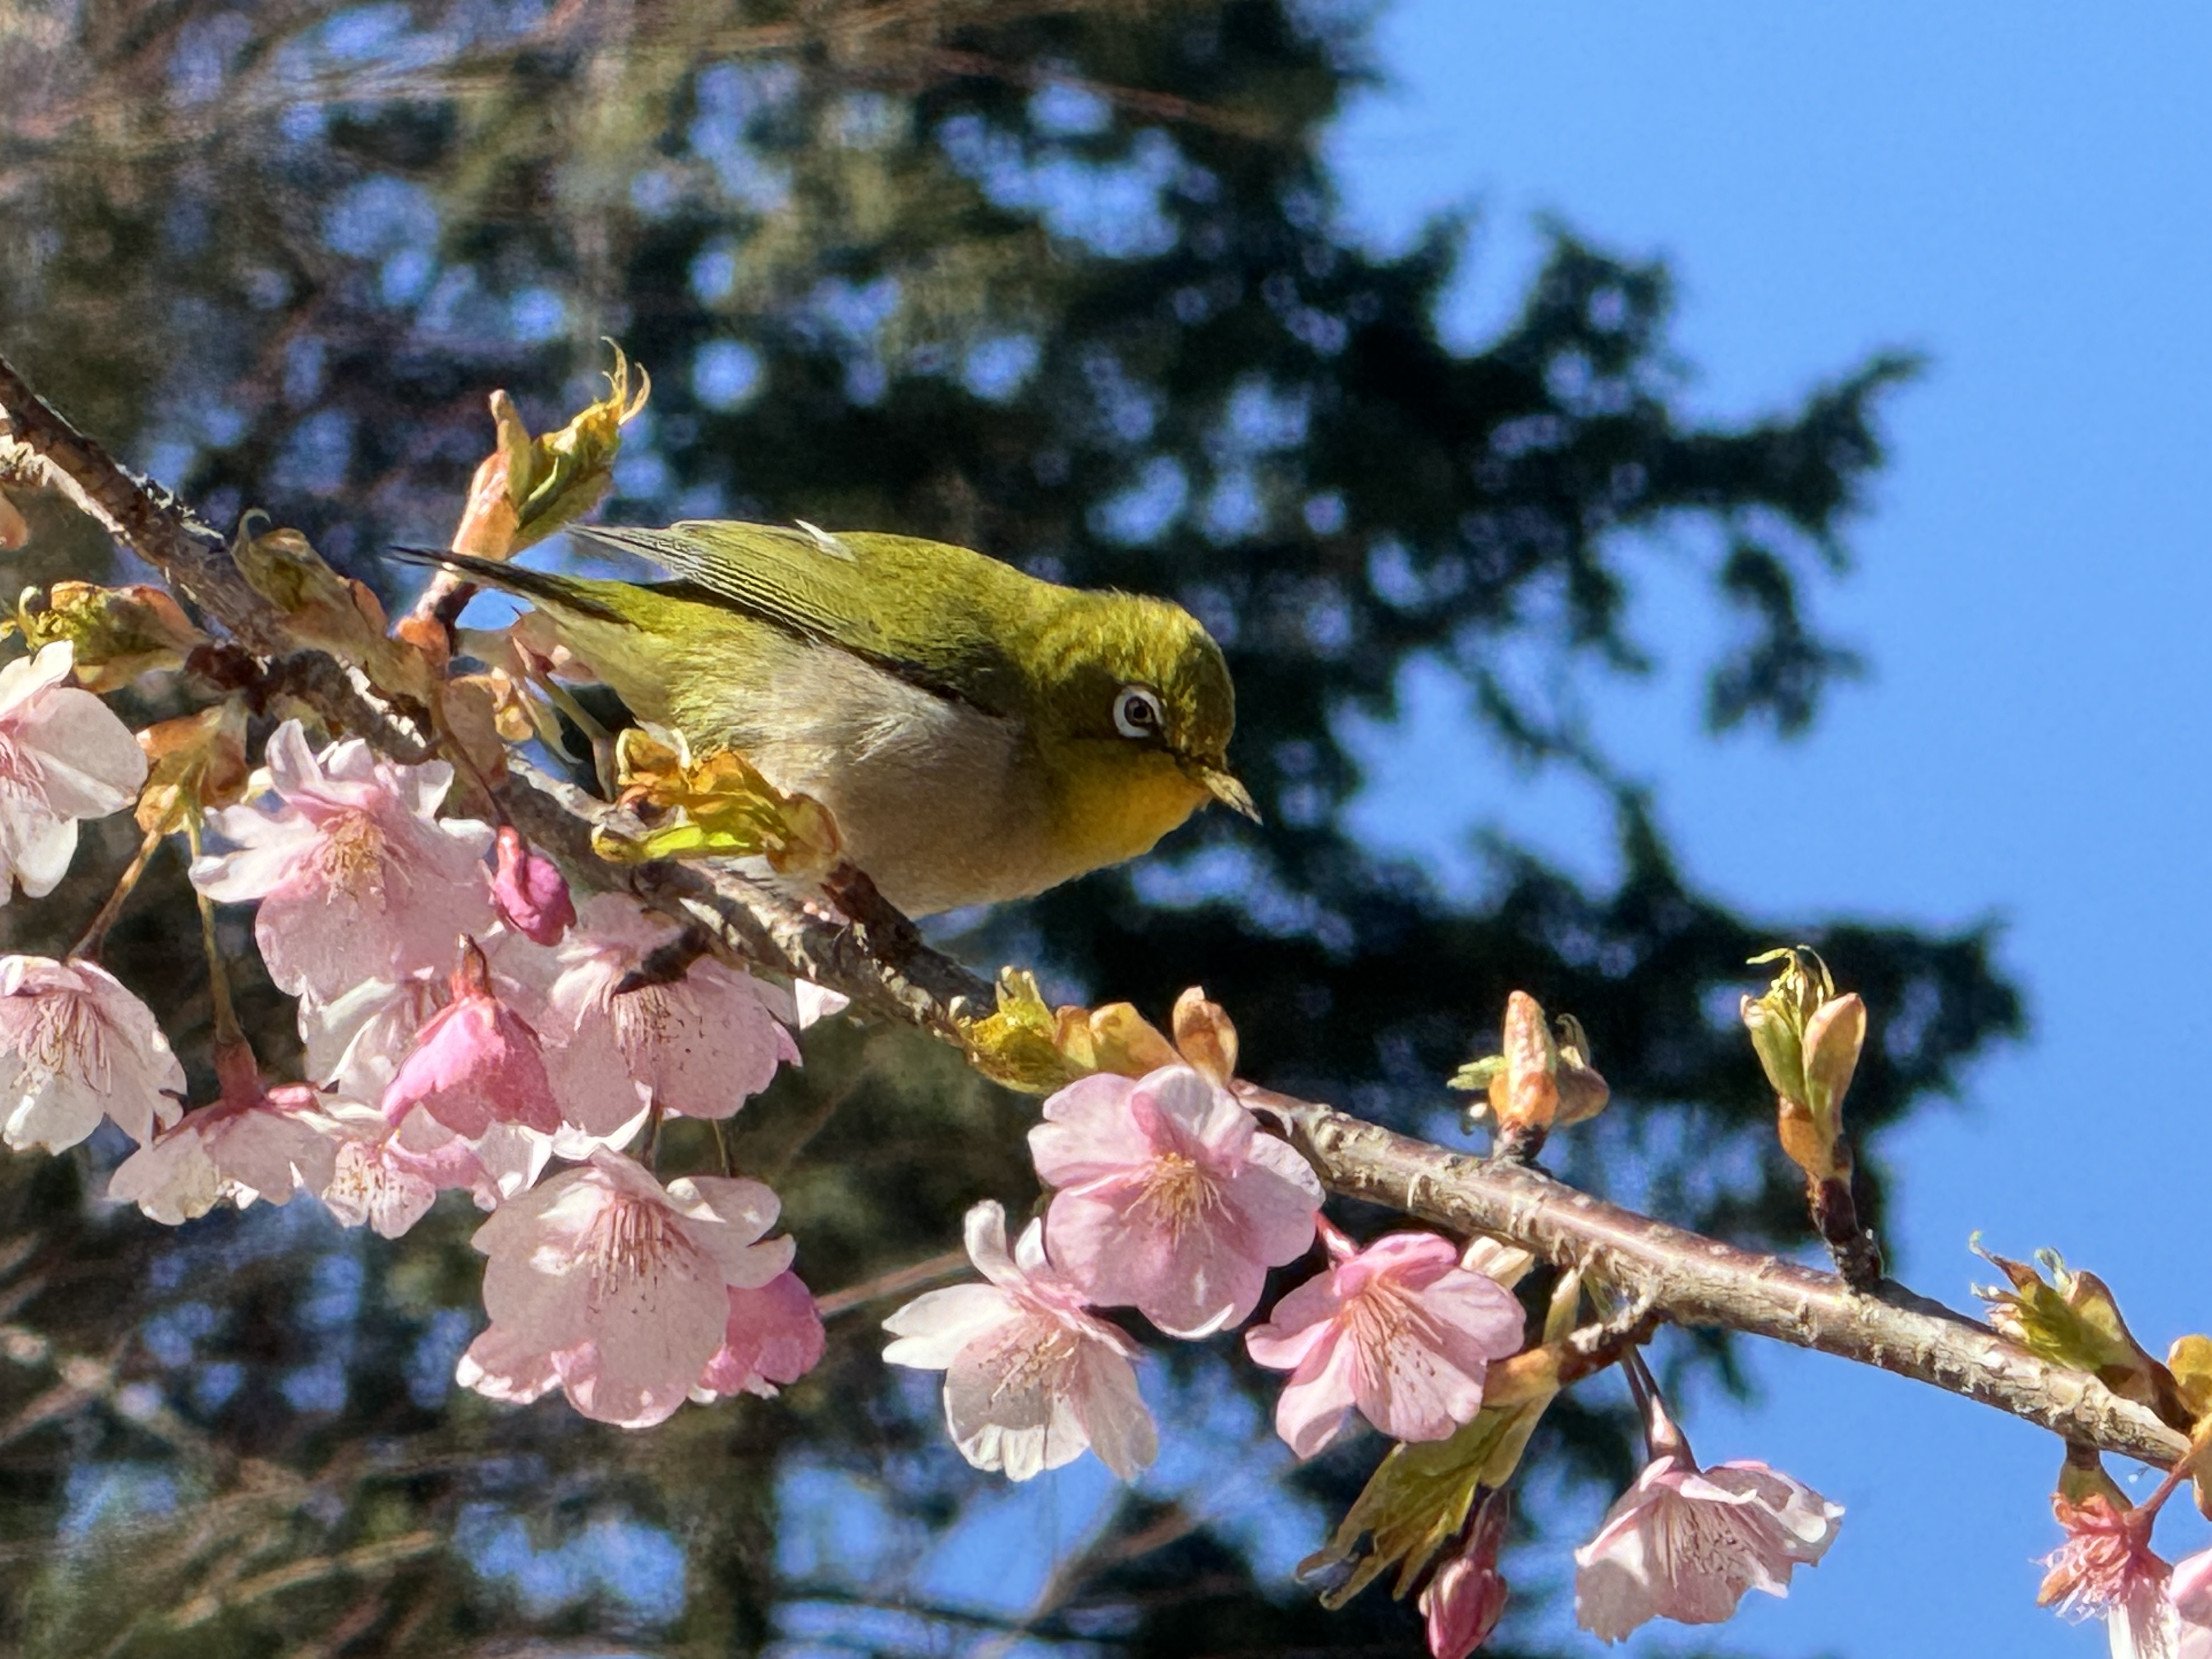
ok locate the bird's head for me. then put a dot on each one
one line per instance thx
(1132, 695)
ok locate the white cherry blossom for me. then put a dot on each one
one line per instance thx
(1031, 1379)
(75, 1046)
(64, 756)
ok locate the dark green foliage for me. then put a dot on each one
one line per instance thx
(1063, 282)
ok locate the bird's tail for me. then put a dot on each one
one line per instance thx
(556, 593)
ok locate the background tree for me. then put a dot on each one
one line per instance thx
(1064, 282)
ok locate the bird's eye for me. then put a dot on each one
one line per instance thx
(1137, 711)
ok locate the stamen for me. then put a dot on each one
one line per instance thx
(629, 1243)
(353, 855)
(1178, 1193)
(67, 1031)
(1034, 1352)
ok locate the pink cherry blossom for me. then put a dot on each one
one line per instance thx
(356, 1041)
(1170, 1199)
(1399, 1330)
(252, 1142)
(530, 892)
(358, 877)
(1030, 1378)
(603, 1283)
(64, 756)
(697, 1047)
(388, 1175)
(1465, 1599)
(774, 1336)
(74, 1046)
(474, 1062)
(2189, 1587)
(2107, 1568)
(1685, 1543)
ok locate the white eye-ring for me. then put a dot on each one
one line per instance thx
(1137, 711)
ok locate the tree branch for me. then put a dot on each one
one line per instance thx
(1697, 1280)
(138, 512)
(875, 955)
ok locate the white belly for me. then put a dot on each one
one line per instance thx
(941, 804)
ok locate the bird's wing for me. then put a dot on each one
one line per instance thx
(938, 616)
(803, 579)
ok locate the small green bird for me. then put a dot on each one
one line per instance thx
(978, 735)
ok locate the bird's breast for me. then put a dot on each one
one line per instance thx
(942, 803)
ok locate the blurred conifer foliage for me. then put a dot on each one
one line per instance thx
(1065, 280)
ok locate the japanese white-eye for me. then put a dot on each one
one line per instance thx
(978, 735)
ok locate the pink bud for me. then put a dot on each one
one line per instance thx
(531, 893)
(774, 1335)
(474, 1062)
(1466, 1599)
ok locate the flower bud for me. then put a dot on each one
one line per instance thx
(194, 760)
(2073, 1320)
(1464, 1602)
(530, 487)
(119, 633)
(1583, 1092)
(714, 804)
(1807, 1039)
(323, 608)
(1205, 1036)
(528, 888)
(1539, 1081)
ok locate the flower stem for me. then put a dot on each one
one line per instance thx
(95, 933)
(2175, 1476)
(226, 1028)
(1662, 1436)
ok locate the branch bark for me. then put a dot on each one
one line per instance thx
(874, 955)
(1697, 1280)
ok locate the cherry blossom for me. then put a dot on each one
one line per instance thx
(1465, 1599)
(1685, 1543)
(1031, 1379)
(75, 1046)
(388, 1175)
(474, 1062)
(697, 1047)
(358, 877)
(603, 1283)
(1399, 1330)
(1170, 1199)
(529, 889)
(774, 1336)
(64, 756)
(2107, 1568)
(2189, 1587)
(811, 1003)
(252, 1142)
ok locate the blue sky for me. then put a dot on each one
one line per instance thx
(2022, 193)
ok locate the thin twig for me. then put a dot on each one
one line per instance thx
(883, 1286)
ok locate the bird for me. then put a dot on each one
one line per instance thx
(978, 735)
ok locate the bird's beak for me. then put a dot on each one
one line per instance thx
(1226, 790)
